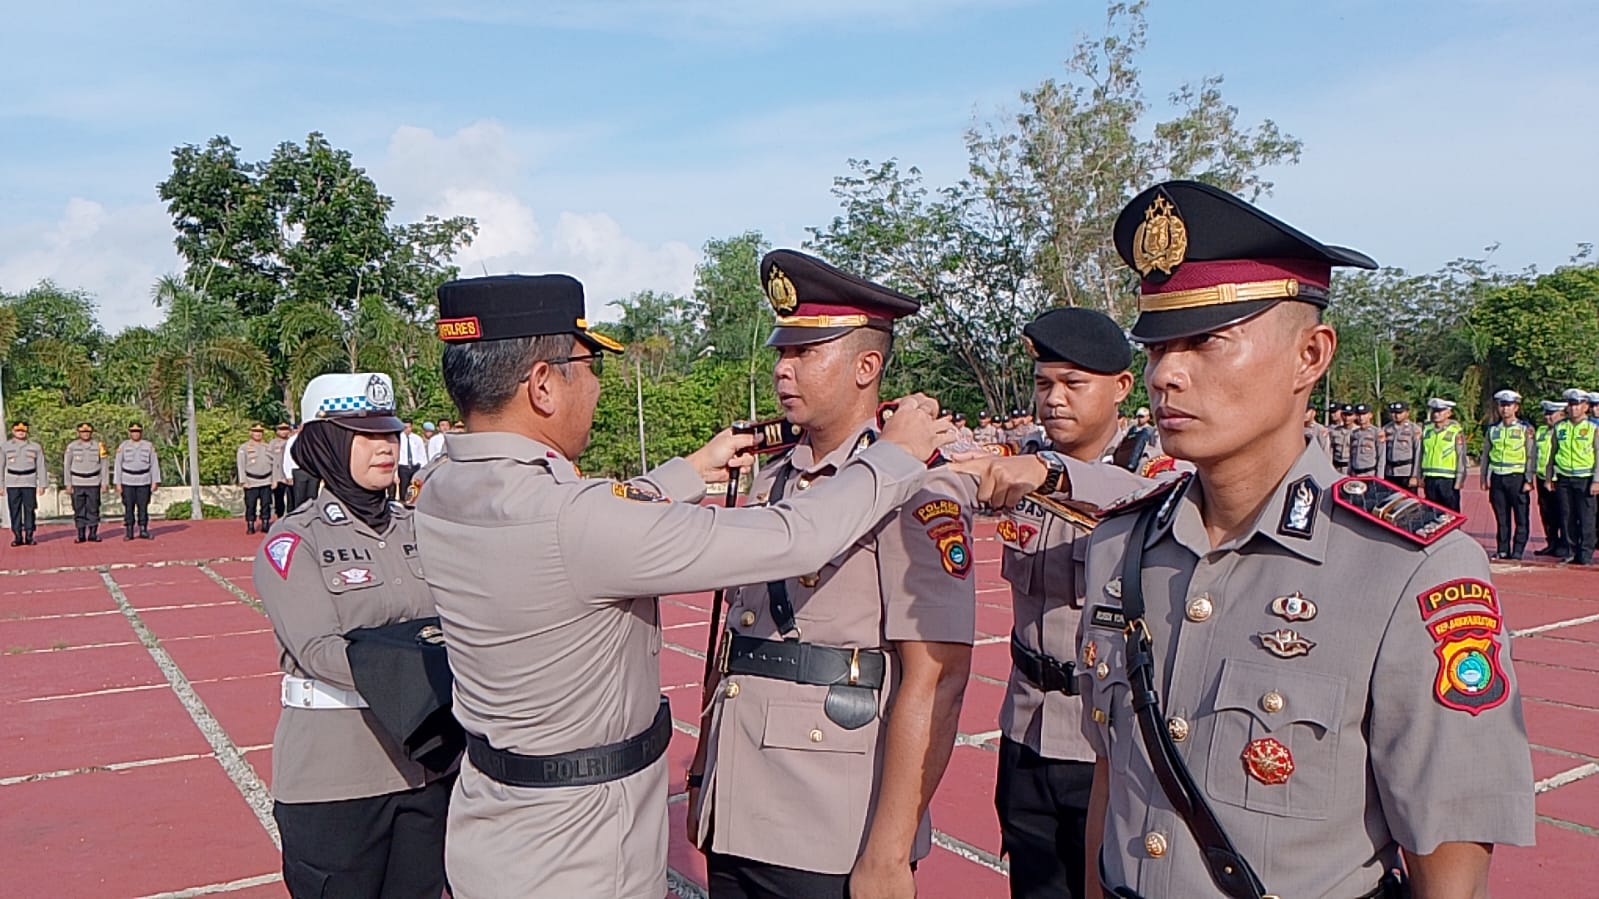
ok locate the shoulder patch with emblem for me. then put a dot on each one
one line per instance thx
(938, 508)
(280, 553)
(1395, 510)
(954, 552)
(1460, 591)
(637, 494)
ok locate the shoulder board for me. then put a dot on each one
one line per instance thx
(1084, 515)
(1158, 492)
(1395, 510)
(1157, 465)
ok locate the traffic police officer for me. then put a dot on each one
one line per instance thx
(1290, 664)
(840, 689)
(84, 470)
(545, 583)
(1443, 455)
(1401, 447)
(357, 815)
(26, 475)
(1366, 445)
(257, 471)
(137, 471)
(1342, 415)
(1509, 471)
(1576, 477)
(1554, 412)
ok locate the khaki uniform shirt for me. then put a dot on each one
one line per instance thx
(320, 573)
(1318, 432)
(988, 434)
(545, 584)
(84, 464)
(1366, 448)
(279, 447)
(1401, 448)
(784, 784)
(256, 463)
(25, 464)
(1388, 749)
(1338, 442)
(136, 464)
(1042, 561)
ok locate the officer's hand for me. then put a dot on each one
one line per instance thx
(916, 428)
(725, 450)
(1526, 487)
(871, 880)
(1485, 483)
(1593, 489)
(1415, 484)
(1002, 481)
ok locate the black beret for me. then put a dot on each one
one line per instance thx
(816, 302)
(1398, 406)
(1207, 259)
(1362, 408)
(1346, 408)
(502, 307)
(1086, 338)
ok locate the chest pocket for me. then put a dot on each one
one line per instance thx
(1310, 709)
(1023, 535)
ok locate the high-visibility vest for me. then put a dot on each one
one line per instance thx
(1507, 448)
(1439, 456)
(1545, 437)
(1574, 449)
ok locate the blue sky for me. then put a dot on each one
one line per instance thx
(611, 138)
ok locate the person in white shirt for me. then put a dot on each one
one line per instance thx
(436, 442)
(413, 454)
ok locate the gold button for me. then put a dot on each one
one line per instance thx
(731, 690)
(809, 581)
(1155, 844)
(1199, 608)
(1102, 671)
(1272, 702)
(803, 483)
(1177, 727)
(1100, 716)
(747, 619)
(816, 736)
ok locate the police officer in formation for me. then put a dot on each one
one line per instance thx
(136, 470)
(564, 787)
(1367, 449)
(1549, 513)
(1299, 682)
(1509, 472)
(1340, 421)
(26, 475)
(986, 432)
(1443, 455)
(282, 484)
(357, 815)
(86, 474)
(1317, 432)
(1574, 448)
(1401, 447)
(840, 689)
(257, 471)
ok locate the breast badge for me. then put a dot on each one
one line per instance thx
(1014, 534)
(1268, 761)
(1285, 643)
(1293, 607)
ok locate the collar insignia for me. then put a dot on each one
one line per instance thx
(334, 513)
(1299, 508)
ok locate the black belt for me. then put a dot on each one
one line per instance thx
(1363, 472)
(804, 663)
(578, 768)
(14, 471)
(135, 471)
(1392, 886)
(86, 474)
(1044, 670)
(251, 474)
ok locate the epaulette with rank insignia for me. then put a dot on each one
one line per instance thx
(1167, 491)
(1396, 510)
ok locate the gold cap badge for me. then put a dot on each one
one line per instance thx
(780, 292)
(1161, 241)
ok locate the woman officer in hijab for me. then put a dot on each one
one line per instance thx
(357, 816)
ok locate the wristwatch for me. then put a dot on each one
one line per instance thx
(694, 781)
(1055, 479)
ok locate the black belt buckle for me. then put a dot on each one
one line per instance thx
(1045, 671)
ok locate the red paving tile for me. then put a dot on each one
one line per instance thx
(61, 632)
(1550, 649)
(268, 891)
(1564, 685)
(29, 595)
(1577, 802)
(63, 734)
(679, 753)
(945, 875)
(963, 807)
(229, 616)
(680, 856)
(1548, 764)
(993, 621)
(1562, 727)
(261, 761)
(679, 669)
(1524, 610)
(980, 710)
(59, 672)
(247, 707)
(1561, 864)
(685, 703)
(230, 655)
(55, 830)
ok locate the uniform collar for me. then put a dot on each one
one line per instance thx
(803, 457)
(483, 446)
(1312, 474)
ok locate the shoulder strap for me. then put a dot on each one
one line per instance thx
(777, 591)
(1227, 866)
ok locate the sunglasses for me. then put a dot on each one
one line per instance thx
(596, 362)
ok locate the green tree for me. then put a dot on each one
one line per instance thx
(55, 338)
(1539, 331)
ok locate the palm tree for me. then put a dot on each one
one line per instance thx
(202, 339)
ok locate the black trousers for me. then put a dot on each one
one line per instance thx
(402, 488)
(258, 498)
(1554, 526)
(1043, 817)
(1511, 504)
(86, 506)
(380, 847)
(1578, 508)
(280, 499)
(135, 505)
(732, 877)
(1442, 491)
(304, 490)
(22, 502)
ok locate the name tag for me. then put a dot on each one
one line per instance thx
(1107, 616)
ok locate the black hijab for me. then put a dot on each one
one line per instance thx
(323, 450)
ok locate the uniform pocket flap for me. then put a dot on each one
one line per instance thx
(1277, 696)
(804, 725)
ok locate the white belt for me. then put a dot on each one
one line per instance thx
(306, 693)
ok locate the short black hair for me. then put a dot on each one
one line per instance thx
(482, 376)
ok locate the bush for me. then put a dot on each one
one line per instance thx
(179, 511)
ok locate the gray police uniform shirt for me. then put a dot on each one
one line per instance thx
(84, 464)
(136, 464)
(1338, 445)
(1390, 691)
(256, 463)
(1401, 448)
(279, 447)
(25, 466)
(1366, 450)
(1042, 561)
(546, 584)
(320, 573)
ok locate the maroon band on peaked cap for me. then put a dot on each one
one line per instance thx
(816, 302)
